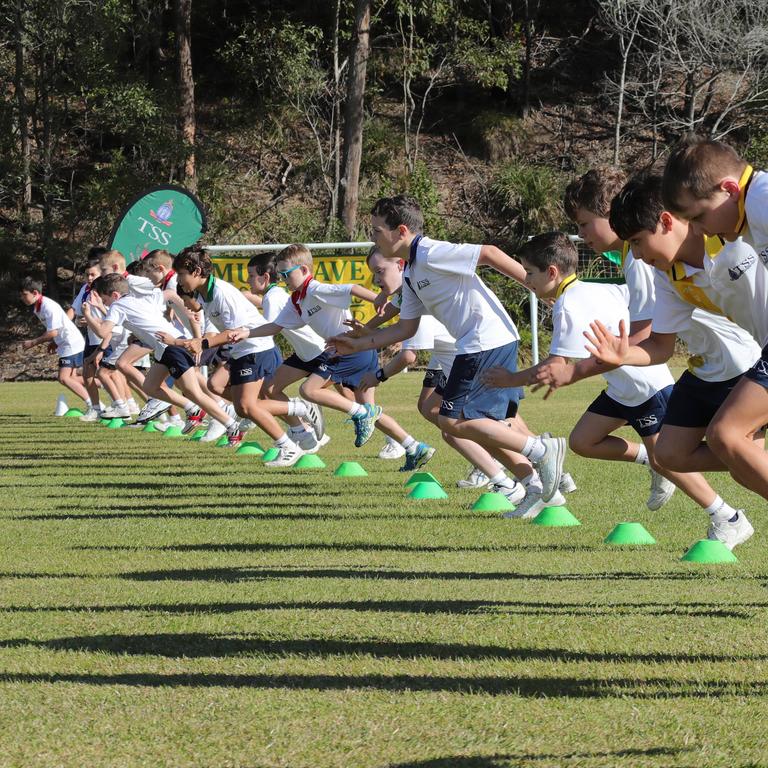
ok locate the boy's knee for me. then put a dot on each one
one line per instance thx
(449, 425)
(578, 444)
(665, 456)
(718, 439)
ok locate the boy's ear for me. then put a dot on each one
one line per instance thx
(731, 186)
(401, 264)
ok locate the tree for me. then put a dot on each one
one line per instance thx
(186, 90)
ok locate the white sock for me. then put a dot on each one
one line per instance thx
(285, 442)
(409, 444)
(391, 440)
(356, 409)
(231, 425)
(532, 482)
(189, 406)
(88, 402)
(296, 407)
(118, 403)
(500, 478)
(720, 511)
(131, 401)
(533, 449)
(642, 456)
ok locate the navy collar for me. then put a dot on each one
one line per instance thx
(414, 246)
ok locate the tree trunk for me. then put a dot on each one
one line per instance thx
(525, 107)
(25, 198)
(186, 90)
(354, 116)
(49, 252)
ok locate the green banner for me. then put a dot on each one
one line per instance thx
(166, 217)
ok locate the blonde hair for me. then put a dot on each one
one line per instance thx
(112, 261)
(296, 255)
(160, 258)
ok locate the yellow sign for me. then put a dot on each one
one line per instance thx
(328, 269)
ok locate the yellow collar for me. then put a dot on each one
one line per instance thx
(565, 285)
(744, 182)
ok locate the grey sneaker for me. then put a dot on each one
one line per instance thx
(731, 533)
(567, 484)
(661, 491)
(550, 465)
(514, 494)
(532, 504)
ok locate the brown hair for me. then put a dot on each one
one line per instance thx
(109, 283)
(296, 255)
(160, 258)
(398, 210)
(194, 258)
(697, 166)
(593, 191)
(550, 249)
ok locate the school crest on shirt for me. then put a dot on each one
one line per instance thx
(743, 266)
(422, 284)
(313, 311)
(764, 256)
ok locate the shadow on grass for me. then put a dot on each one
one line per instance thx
(522, 758)
(458, 607)
(525, 687)
(202, 645)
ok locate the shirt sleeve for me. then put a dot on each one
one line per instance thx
(671, 314)
(77, 303)
(567, 333)
(411, 306)
(336, 295)
(757, 213)
(452, 258)
(115, 315)
(640, 283)
(289, 317)
(52, 319)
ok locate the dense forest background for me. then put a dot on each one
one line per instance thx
(289, 117)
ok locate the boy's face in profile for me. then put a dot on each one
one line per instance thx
(91, 274)
(717, 214)
(189, 281)
(387, 240)
(387, 273)
(660, 247)
(542, 282)
(256, 282)
(595, 231)
(28, 297)
(294, 275)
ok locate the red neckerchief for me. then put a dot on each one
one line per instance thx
(167, 279)
(39, 303)
(126, 273)
(300, 293)
(86, 292)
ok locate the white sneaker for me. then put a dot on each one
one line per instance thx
(176, 421)
(391, 451)
(315, 418)
(116, 412)
(215, 430)
(324, 440)
(661, 491)
(550, 465)
(287, 457)
(151, 410)
(133, 407)
(731, 534)
(532, 504)
(514, 493)
(567, 484)
(92, 414)
(246, 424)
(475, 479)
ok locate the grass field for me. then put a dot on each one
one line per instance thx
(164, 603)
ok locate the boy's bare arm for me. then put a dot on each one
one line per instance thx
(501, 377)
(42, 339)
(491, 256)
(359, 292)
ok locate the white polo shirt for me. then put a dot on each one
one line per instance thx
(228, 309)
(719, 349)
(431, 335)
(324, 308)
(441, 280)
(578, 306)
(639, 280)
(305, 342)
(68, 340)
(755, 231)
(77, 308)
(144, 317)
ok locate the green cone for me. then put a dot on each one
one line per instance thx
(115, 423)
(270, 455)
(173, 431)
(555, 517)
(707, 551)
(425, 490)
(250, 449)
(492, 502)
(350, 469)
(198, 434)
(422, 477)
(629, 534)
(150, 427)
(253, 444)
(74, 413)
(222, 442)
(310, 461)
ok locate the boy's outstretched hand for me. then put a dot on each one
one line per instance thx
(380, 303)
(239, 334)
(341, 345)
(606, 347)
(498, 377)
(553, 375)
(357, 329)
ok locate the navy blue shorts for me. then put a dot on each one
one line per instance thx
(695, 402)
(254, 367)
(71, 361)
(465, 395)
(434, 378)
(759, 371)
(645, 419)
(90, 349)
(346, 369)
(177, 360)
(309, 366)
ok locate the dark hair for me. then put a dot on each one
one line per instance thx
(697, 166)
(139, 268)
(95, 253)
(638, 206)
(593, 191)
(31, 284)
(265, 264)
(93, 262)
(398, 210)
(193, 258)
(550, 249)
(110, 283)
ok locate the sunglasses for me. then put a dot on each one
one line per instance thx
(285, 272)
